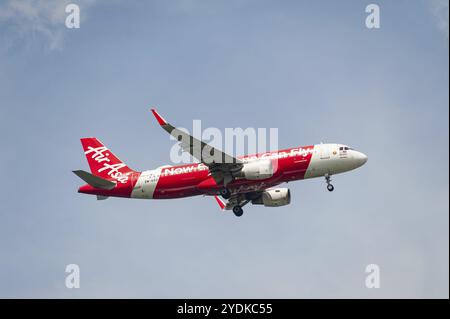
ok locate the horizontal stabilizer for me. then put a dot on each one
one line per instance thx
(95, 181)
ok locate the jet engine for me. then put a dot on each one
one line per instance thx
(260, 169)
(274, 197)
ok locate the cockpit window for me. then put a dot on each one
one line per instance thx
(346, 148)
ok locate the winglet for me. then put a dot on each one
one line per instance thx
(158, 117)
(220, 202)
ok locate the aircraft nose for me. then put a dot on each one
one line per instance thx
(360, 158)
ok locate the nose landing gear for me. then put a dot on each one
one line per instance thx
(330, 186)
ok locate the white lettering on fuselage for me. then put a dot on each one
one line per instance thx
(184, 169)
(302, 152)
(99, 155)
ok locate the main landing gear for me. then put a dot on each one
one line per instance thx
(237, 200)
(330, 186)
(238, 211)
(225, 193)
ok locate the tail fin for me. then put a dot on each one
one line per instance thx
(103, 162)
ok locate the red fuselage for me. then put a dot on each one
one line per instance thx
(195, 179)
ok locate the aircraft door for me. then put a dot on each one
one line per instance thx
(324, 151)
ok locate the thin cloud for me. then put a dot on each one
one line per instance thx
(439, 8)
(27, 21)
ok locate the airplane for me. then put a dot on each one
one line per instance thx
(237, 180)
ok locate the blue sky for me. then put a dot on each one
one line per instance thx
(311, 69)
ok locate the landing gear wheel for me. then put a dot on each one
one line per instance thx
(237, 210)
(225, 193)
(330, 187)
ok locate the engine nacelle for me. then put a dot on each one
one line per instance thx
(260, 169)
(274, 197)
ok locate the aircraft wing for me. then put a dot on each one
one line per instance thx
(220, 164)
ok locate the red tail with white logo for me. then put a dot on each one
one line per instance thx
(103, 162)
